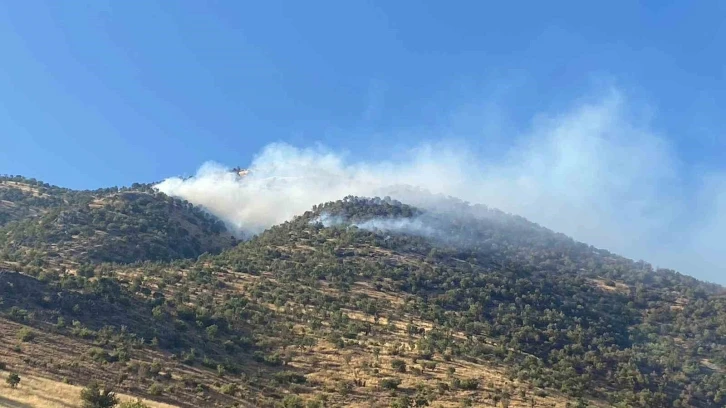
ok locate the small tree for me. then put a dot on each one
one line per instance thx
(13, 380)
(398, 365)
(212, 331)
(25, 334)
(401, 402)
(292, 401)
(389, 383)
(95, 396)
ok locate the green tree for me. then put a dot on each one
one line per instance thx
(13, 380)
(389, 383)
(293, 401)
(25, 334)
(212, 331)
(97, 396)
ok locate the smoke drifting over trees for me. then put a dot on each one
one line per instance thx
(594, 173)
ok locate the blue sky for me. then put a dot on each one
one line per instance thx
(603, 121)
(96, 93)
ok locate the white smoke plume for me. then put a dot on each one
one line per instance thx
(595, 172)
(328, 220)
(285, 181)
(413, 226)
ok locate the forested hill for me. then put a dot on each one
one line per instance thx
(492, 234)
(42, 224)
(358, 302)
(572, 317)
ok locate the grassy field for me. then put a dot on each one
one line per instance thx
(38, 392)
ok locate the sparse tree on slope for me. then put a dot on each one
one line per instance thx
(97, 396)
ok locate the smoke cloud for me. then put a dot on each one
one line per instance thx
(595, 172)
(412, 226)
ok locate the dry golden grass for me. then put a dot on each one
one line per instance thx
(34, 190)
(328, 365)
(51, 357)
(38, 392)
(617, 287)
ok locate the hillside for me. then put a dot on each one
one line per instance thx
(359, 302)
(49, 226)
(22, 198)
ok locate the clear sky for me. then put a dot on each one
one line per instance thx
(96, 93)
(93, 93)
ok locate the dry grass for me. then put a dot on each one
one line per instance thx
(619, 287)
(34, 190)
(44, 393)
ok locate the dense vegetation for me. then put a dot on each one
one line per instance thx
(546, 305)
(355, 301)
(109, 225)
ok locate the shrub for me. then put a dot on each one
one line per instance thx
(96, 396)
(13, 380)
(271, 359)
(292, 401)
(399, 365)
(430, 365)
(25, 334)
(319, 401)
(468, 384)
(401, 402)
(228, 389)
(290, 377)
(314, 404)
(99, 355)
(189, 358)
(344, 387)
(156, 389)
(212, 331)
(389, 383)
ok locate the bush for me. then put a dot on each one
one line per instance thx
(156, 389)
(344, 388)
(96, 396)
(13, 380)
(292, 401)
(389, 383)
(271, 359)
(290, 377)
(25, 334)
(398, 365)
(468, 384)
(212, 331)
(401, 402)
(314, 404)
(228, 389)
(99, 355)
